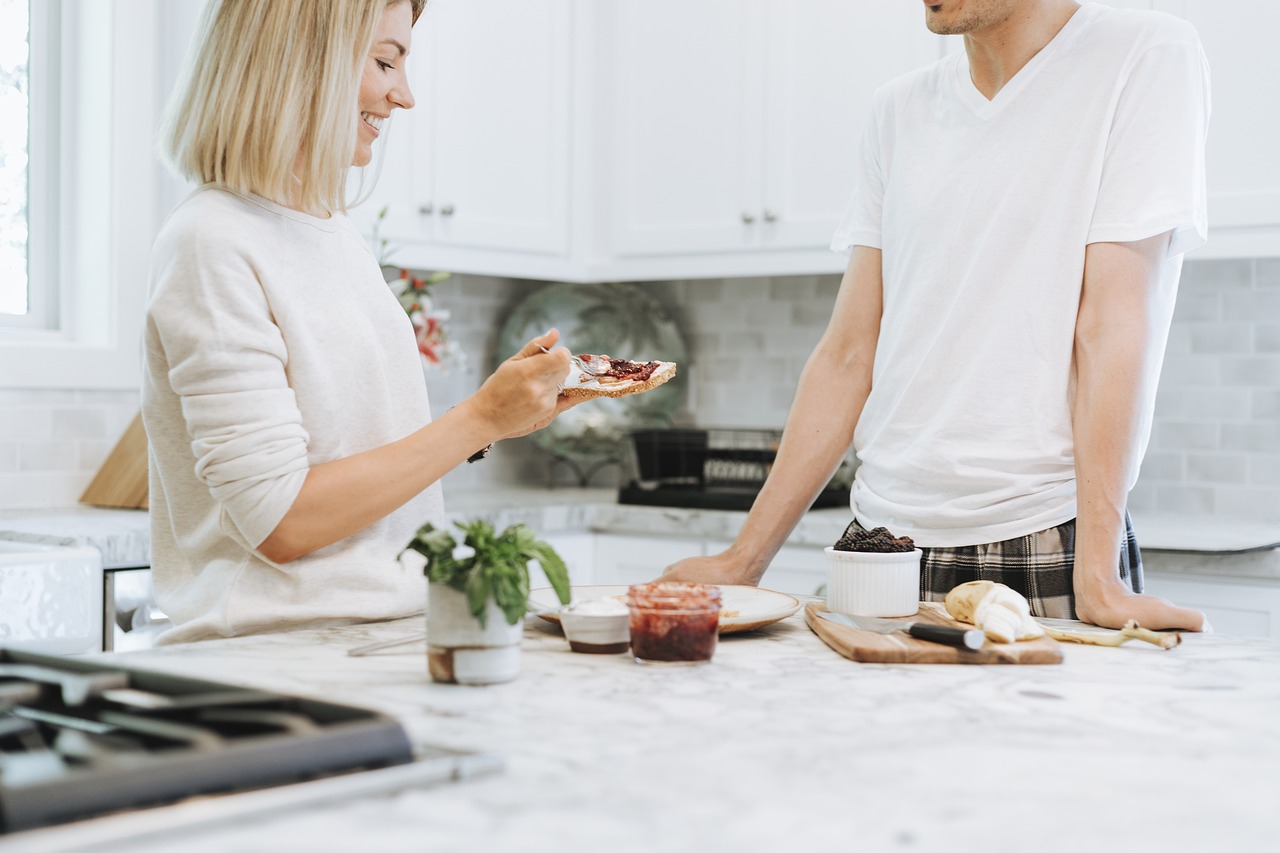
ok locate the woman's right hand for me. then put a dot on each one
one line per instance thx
(523, 394)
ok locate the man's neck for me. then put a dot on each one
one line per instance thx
(998, 52)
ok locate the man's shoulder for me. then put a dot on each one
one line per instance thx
(912, 83)
(1144, 27)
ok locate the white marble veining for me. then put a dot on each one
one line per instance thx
(122, 536)
(781, 744)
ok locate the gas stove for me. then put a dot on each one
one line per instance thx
(85, 739)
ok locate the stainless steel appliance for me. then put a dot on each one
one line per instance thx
(81, 739)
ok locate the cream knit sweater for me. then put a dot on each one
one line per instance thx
(272, 343)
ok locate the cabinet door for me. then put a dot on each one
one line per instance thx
(577, 549)
(684, 141)
(638, 559)
(495, 128)
(1233, 607)
(1244, 131)
(825, 60)
(795, 570)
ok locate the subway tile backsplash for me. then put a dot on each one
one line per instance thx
(1214, 452)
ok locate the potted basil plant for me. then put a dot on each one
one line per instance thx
(477, 597)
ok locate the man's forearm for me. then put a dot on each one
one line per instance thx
(819, 430)
(1113, 366)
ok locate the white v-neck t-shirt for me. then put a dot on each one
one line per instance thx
(982, 210)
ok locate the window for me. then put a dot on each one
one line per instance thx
(81, 85)
(28, 110)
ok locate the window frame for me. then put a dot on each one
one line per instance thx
(95, 201)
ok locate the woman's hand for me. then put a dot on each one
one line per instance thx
(523, 394)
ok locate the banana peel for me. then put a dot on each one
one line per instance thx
(1131, 631)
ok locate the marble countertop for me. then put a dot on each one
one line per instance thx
(123, 536)
(782, 744)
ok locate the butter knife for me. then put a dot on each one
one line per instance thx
(962, 638)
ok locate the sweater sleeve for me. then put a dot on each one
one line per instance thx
(227, 363)
(1153, 179)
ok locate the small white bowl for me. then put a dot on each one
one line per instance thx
(591, 631)
(873, 583)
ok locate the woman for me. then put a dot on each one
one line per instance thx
(293, 452)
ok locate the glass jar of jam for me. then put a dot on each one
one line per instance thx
(674, 622)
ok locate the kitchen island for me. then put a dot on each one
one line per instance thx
(781, 744)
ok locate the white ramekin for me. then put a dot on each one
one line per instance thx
(870, 583)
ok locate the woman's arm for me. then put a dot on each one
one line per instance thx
(1113, 355)
(346, 495)
(829, 399)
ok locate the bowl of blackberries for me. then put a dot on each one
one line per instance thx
(873, 573)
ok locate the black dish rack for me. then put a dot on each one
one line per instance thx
(709, 469)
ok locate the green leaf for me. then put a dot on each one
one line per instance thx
(554, 568)
(478, 591)
(498, 570)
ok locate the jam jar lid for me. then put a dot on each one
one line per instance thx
(674, 595)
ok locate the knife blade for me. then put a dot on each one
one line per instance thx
(961, 638)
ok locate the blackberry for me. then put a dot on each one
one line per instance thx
(855, 538)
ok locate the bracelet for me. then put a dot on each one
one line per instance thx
(482, 453)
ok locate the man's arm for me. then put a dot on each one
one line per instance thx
(1114, 359)
(829, 399)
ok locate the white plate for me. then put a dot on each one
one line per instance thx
(755, 607)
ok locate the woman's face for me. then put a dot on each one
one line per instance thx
(384, 85)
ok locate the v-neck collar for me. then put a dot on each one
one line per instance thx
(987, 109)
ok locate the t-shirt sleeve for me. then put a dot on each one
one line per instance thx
(860, 223)
(1153, 177)
(226, 361)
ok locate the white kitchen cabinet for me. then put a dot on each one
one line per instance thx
(638, 559)
(481, 162)
(745, 135)
(578, 550)
(1233, 606)
(1244, 129)
(593, 140)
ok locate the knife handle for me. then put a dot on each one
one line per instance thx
(961, 638)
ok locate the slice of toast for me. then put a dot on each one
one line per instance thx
(579, 384)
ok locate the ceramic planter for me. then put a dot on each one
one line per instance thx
(459, 650)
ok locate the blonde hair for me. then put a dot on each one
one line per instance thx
(269, 95)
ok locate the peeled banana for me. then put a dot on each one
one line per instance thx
(1002, 613)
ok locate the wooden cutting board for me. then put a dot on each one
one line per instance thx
(870, 647)
(122, 479)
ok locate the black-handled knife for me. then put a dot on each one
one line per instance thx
(961, 638)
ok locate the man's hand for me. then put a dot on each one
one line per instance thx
(1111, 603)
(717, 569)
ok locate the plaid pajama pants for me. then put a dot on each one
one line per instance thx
(1038, 565)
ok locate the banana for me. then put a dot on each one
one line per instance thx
(1002, 613)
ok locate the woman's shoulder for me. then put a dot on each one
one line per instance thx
(214, 216)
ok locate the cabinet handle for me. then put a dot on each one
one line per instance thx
(446, 210)
(770, 216)
(748, 217)
(426, 209)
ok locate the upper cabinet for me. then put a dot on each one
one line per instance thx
(1244, 128)
(589, 140)
(592, 140)
(481, 164)
(737, 130)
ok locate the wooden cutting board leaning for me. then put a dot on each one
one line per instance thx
(872, 647)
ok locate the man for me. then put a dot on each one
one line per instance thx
(1016, 238)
